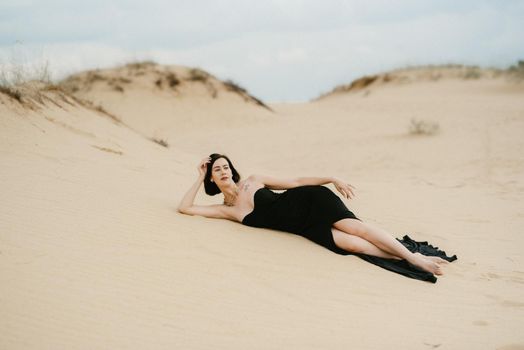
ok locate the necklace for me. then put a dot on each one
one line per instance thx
(231, 202)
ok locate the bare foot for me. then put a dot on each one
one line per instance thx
(436, 259)
(428, 265)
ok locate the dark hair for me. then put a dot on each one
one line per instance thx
(211, 188)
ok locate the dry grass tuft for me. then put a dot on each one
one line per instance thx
(196, 74)
(171, 80)
(109, 150)
(12, 93)
(423, 127)
(161, 142)
(232, 86)
(101, 109)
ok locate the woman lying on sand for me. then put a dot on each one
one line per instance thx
(306, 208)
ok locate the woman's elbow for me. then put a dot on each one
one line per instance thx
(182, 210)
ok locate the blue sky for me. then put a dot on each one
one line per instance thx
(278, 50)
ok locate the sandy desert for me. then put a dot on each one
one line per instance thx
(94, 255)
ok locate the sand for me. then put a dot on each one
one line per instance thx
(94, 255)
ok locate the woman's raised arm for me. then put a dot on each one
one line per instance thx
(189, 197)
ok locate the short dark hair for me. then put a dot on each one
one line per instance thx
(211, 188)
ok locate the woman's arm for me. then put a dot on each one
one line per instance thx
(303, 181)
(276, 183)
(189, 197)
(217, 211)
(284, 184)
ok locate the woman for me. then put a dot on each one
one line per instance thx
(307, 208)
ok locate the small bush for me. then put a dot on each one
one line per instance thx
(363, 82)
(172, 80)
(423, 127)
(196, 74)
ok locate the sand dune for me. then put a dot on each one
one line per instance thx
(94, 255)
(164, 101)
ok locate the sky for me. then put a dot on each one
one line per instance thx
(279, 50)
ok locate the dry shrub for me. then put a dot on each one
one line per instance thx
(101, 109)
(17, 71)
(161, 142)
(93, 76)
(423, 127)
(172, 80)
(11, 92)
(196, 74)
(362, 82)
(232, 86)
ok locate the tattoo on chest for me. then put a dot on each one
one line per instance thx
(246, 186)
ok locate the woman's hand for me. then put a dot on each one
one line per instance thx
(202, 167)
(344, 188)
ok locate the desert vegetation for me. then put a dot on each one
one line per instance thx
(517, 70)
(423, 127)
(11, 92)
(196, 74)
(170, 79)
(161, 142)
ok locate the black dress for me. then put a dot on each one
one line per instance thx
(310, 211)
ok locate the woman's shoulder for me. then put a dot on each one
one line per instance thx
(252, 179)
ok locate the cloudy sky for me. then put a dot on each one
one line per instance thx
(279, 50)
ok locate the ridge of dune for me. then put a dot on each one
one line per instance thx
(161, 101)
(55, 116)
(428, 73)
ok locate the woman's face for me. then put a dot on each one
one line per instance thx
(221, 172)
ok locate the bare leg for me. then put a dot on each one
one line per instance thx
(384, 241)
(355, 244)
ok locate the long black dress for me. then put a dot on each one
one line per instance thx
(311, 210)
